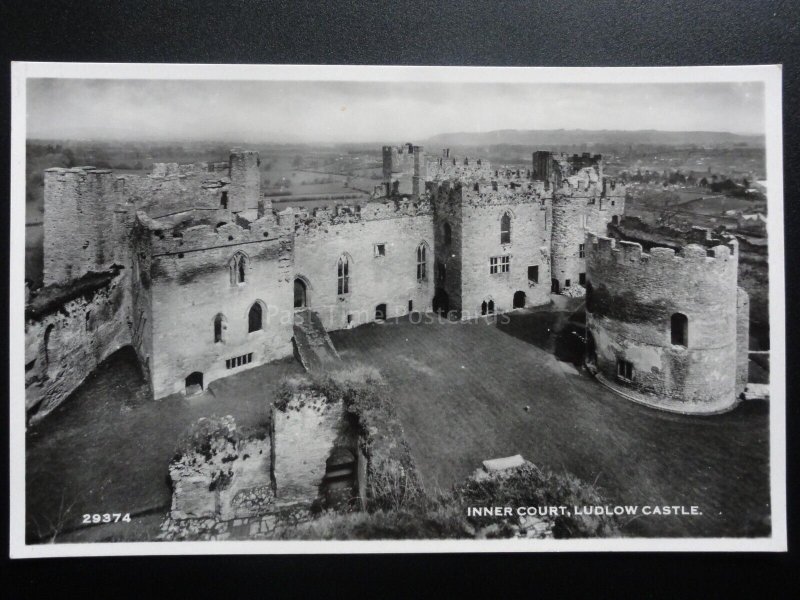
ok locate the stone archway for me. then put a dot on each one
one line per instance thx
(194, 383)
(519, 299)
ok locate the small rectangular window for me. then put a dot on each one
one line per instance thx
(223, 200)
(582, 251)
(349, 319)
(533, 274)
(567, 283)
(499, 264)
(624, 370)
(380, 250)
(410, 305)
(582, 278)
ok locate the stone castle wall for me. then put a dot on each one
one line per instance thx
(190, 279)
(631, 298)
(68, 332)
(448, 255)
(483, 209)
(581, 205)
(322, 239)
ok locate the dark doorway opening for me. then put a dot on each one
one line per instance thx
(591, 349)
(194, 383)
(380, 312)
(519, 299)
(554, 287)
(441, 302)
(614, 220)
(491, 307)
(300, 293)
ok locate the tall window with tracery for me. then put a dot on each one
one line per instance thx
(343, 275)
(422, 263)
(238, 268)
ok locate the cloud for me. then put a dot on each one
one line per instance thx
(328, 112)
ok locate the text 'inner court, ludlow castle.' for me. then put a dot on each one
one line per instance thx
(193, 268)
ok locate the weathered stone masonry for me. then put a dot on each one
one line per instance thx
(668, 328)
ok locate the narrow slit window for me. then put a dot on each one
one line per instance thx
(680, 330)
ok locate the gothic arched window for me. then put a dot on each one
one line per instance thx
(505, 229)
(343, 275)
(255, 318)
(238, 267)
(422, 262)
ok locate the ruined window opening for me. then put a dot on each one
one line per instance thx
(448, 233)
(614, 220)
(582, 278)
(533, 274)
(680, 330)
(422, 263)
(624, 370)
(349, 319)
(223, 200)
(499, 264)
(343, 275)
(484, 307)
(613, 202)
(219, 327)
(567, 283)
(254, 318)
(410, 306)
(505, 229)
(380, 250)
(490, 307)
(582, 250)
(238, 265)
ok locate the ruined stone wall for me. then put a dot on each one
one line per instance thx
(78, 222)
(245, 176)
(582, 204)
(304, 435)
(447, 263)
(190, 283)
(632, 298)
(321, 239)
(529, 246)
(68, 332)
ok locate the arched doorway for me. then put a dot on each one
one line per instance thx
(554, 287)
(194, 383)
(519, 299)
(380, 312)
(441, 302)
(300, 293)
(615, 220)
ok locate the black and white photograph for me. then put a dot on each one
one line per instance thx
(268, 309)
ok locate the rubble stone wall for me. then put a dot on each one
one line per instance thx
(629, 314)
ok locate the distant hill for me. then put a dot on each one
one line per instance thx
(570, 137)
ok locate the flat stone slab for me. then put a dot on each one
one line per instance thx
(501, 464)
(756, 391)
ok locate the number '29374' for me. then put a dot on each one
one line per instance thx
(95, 518)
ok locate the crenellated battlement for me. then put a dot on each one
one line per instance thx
(709, 251)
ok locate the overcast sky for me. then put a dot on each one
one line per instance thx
(272, 111)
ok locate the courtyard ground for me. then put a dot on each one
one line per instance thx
(461, 390)
(107, 448)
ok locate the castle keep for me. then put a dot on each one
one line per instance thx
(193, 268)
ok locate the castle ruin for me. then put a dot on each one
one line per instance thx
(193, 268)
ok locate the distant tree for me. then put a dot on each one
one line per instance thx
(69, 158)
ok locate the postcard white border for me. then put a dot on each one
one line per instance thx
(770, 75)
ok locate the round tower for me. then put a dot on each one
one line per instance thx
(662, 325)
